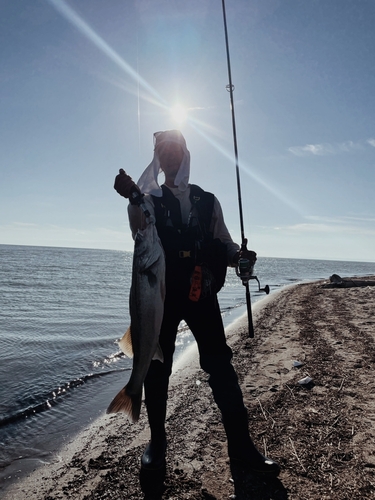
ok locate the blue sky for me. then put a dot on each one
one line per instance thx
(84, 84)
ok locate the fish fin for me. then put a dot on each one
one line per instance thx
(123, 403)
(125, 343)
(158, 354)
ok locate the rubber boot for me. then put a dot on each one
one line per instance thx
(242, 449)
(153, 457)
(153, 469)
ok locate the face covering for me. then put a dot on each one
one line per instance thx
(148, 182)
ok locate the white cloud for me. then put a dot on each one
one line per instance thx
(360, 226)
(349, 146)
(345, 219)
(328, 149)
(371, 142)
(314, 149)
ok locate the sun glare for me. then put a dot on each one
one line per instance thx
(179, 113)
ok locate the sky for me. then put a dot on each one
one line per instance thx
(84, 84)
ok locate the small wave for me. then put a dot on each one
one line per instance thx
(112, 358)
(54, 397)
(225, 310)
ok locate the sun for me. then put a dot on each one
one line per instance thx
(179, 114)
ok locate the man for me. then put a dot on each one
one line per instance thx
(198, 248)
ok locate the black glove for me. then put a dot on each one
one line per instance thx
(126, 187)
(248, 254)
(245, 254)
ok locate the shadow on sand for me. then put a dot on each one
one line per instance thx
(247, 485)
(152, 483)
(251, 486)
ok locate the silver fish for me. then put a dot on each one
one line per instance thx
(141, 341)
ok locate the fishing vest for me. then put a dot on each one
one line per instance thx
(190, 248)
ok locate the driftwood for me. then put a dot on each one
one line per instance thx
(337, 282)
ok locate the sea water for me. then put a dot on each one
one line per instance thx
(62, 312)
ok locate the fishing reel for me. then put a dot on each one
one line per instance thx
(244, 271)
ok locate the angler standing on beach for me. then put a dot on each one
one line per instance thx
(198, 248)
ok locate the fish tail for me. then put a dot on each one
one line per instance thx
(123, 402)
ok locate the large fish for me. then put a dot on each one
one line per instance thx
(141, 341)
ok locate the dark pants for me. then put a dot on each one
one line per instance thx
(204, 320)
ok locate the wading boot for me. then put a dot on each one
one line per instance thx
(153, 457)
(153, 469)
(242, 449)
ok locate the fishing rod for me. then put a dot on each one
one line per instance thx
(244, 268)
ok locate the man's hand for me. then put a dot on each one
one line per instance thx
(250, 255)
(125, 186)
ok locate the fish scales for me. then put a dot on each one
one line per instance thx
(146, 305)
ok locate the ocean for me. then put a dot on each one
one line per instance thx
(62, 311)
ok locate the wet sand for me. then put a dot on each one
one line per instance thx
(322, 434)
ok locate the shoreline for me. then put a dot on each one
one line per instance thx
(20, 470)
(321, 435)
(184, 367)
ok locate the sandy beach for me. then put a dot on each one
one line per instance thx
(322, 434)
